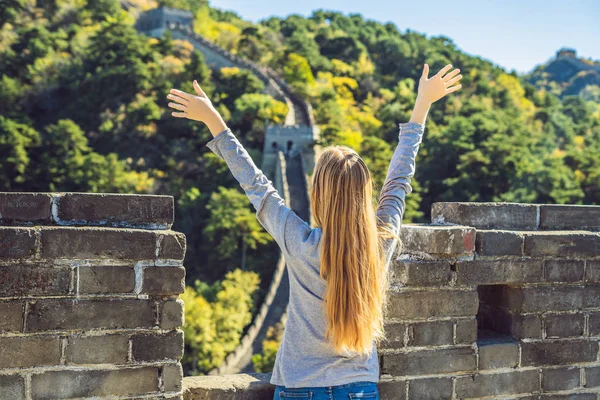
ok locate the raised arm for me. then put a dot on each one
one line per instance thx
(392, 200)
(271, 211)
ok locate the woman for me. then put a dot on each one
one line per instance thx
(337, 270)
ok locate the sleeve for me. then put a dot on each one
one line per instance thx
(392, 200)
(271, 211)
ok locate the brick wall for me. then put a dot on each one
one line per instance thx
(89, 297)
(492, 300)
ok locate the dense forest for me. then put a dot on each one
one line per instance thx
(83, 108)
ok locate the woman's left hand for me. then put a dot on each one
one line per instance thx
(197, 108)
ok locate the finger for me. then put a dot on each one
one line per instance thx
(199, 89)
(179, 114)
(443, 71)
(453, 89)
(177, 99)
(181, 94)
(425, 72)
(453, 80)
(451, 74)
(178, 106)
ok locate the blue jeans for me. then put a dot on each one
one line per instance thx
(350, 391)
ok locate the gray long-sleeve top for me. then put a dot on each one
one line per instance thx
(304, 358)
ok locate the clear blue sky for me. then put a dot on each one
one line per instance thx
(515, 34)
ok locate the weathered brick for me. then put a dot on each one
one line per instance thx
(11, 316)
(562, 244)
(105, 349)
(249, 386)
(172, 314)
(113, 243)
(483, 385)
(163, 280)
(563, 325)
(591, 296)
(564, 378)
(592, 377)
(12, 387)
(480, 272)
(172, 246)
(424, 362)
(563, 270)
(156, 347)
(90, 314)
(438, 303)
(392, 389)
(34, 280)
(557, 352)
(116, 210)
(569, 216)
(572, 396)
(53, 385)
(430, 388)
(106, 279)
(485, 215)
(24, 208)
(466, 330)
(394, 333)
(29, 351)
(498, 243)
(594, 324)
(16, 242)
(422, 239)
(592, 271)
(431, 333)
(498, 353)
(172, 377)
(422, 273)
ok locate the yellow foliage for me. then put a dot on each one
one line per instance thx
(365, 66)
(341, 67)
(558, 153)
(228, 72)
(352, 139)
(579, 176)
(183, 49)
(224, 34)
(579, 141)
(171, 65)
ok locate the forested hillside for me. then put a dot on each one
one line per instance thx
(83, 108)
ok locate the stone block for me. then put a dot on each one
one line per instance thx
(563, 378)
(11, 316)
(163, 280)
(395, 333)
(486, 215)
(563, 270)
(172, 246)
(570, 244)
(98, 243)
(16, 242)
(483, 272)
(392, 389)
(64, 314)
(498, 243)
(435, 333)
(539, 298)
(422, 273)
(105, 349)
(558, 352)
(34, 280)
(172, 377)
(12, 387)
(498, 353)
(569, 216)
(466, 331)
(105, 279)
(25, 208)
(157, 347)
(172, 314)
(592, 377)
(505, 383)
(439, 241)
(253, 387)
(430, 388)
(29, 351)
(592, 271)
(426, 362)
(116, 210)
(438, 303)
(54, 385)
(564, 325)
(594, 324)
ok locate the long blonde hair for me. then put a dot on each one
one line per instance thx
(352, 256)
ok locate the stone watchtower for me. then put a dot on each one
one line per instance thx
(154, 22)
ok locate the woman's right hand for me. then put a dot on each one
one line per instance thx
(443, 83)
